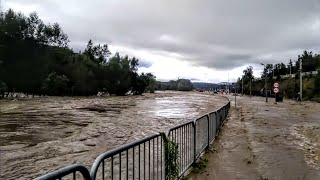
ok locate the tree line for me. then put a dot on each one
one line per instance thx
(288, 86)
(178, 85)
(35, 59)
(310, 62)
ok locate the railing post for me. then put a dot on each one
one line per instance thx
(194, 142)
(217, 125)
(208, 130)
(165, 141)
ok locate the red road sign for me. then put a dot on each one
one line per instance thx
(275, 90)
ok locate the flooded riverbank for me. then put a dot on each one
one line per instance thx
(43, 134)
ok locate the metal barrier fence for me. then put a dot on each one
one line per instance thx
(160, 156)
(67, 172)
(142, 159)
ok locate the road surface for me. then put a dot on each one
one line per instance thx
(266, 141)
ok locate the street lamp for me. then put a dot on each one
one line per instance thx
(265, 85)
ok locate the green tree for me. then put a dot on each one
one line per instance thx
(144, 83)
(119, 69)
(35, 58)
(317, 84)
(55, 84)
(3, 89)
(247, 80)
(151, 83)
(98, 53)
(184, 85)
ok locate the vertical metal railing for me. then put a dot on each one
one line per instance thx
(201, 125)
(142, 159)
(183, 137)
(149, 158)
(212, 126)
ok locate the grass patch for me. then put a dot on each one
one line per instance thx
(200, 166)
(316, 99)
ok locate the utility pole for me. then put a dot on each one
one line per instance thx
(250, 86)
(228, 85)
(265, 82)
(272, 71)
(235, 96)
(242, 86)
(265, 88)
(290, 70)
(300, 79)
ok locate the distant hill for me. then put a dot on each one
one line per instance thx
(199, 85)
(179, 85)
(205, 86)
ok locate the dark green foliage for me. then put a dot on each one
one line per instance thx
(55, 84)
(200, 166)
(35, 58)
(3, 89)
(310, 62)
(151, 82)
(119, 69)
(171, 158)
(143, 83)
(179, 85)
(247, 80)
(289, 86)
(184, 85)
(317, 84)
(140, 84)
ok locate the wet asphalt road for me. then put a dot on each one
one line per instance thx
(266, 141)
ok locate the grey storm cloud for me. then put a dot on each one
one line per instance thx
(217, 34)
(143, 63)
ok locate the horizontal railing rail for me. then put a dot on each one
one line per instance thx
(70, 171)
(160, 156)
(183, 137)
(142, 159)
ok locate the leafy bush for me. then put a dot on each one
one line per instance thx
(56, 84)
(171, 158)
(3, 88)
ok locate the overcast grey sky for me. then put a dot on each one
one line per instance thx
(201, 39)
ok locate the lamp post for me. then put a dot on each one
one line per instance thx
(242, 85)
(265, 83)
(300, 78)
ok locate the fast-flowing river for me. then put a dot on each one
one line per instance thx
(42, 134)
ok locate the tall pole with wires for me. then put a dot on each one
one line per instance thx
(242, 86)
(265, 82)
(300, 79)
(228, 85)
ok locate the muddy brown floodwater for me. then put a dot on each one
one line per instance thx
(43, 134)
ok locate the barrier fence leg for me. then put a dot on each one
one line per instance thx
(194, 143)
(208, 131)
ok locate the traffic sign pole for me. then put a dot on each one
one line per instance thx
(276, 90)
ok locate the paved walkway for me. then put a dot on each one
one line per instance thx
(266, 141)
